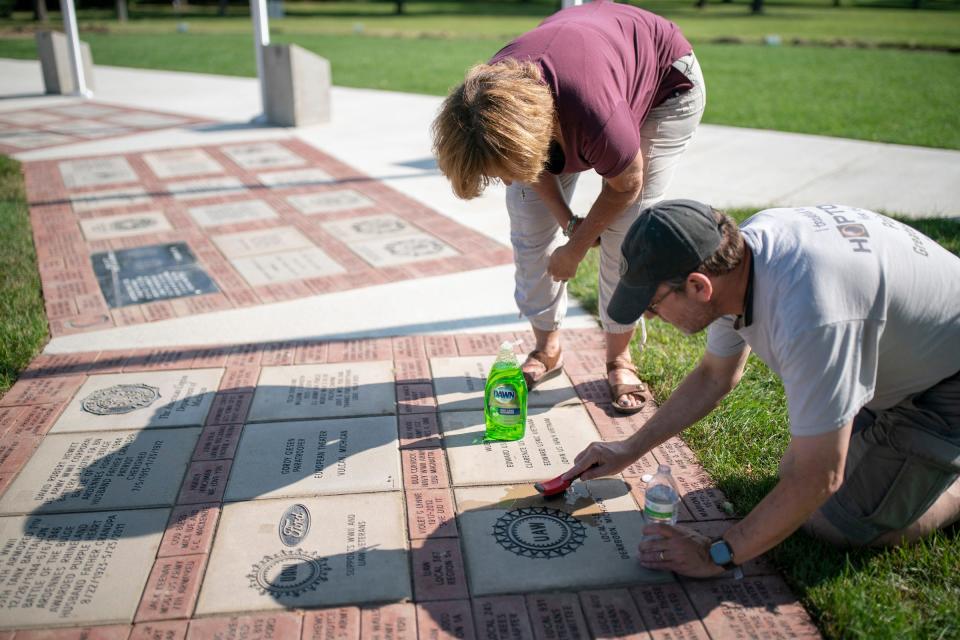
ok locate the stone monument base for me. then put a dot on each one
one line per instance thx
(297, 86)
(54, 52)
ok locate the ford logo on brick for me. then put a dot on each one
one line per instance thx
(294, 525)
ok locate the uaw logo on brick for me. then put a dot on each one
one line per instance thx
(539, 532)
(288, 574)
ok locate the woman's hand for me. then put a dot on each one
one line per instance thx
(564, 262)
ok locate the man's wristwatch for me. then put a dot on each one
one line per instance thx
(571, 225)
(722, 554)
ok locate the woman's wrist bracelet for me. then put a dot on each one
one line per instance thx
(572, 225)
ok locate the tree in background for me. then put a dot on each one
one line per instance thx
(40, 11)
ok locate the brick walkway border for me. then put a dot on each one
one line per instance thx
(28, 129)
(760, 605)
(75, 303)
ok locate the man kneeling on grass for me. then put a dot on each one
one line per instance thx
(860, 317)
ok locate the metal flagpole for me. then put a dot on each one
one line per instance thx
(261, 38)
(73, 44)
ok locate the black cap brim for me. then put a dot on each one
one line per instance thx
(628, 303)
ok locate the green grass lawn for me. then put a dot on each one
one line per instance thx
(900, 593)
(855, 93)
(23, 323)
(810, 20)
(886, 95)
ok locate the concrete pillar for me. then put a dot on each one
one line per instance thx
(54, 52)
(297, 86)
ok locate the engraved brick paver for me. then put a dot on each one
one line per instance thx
(259, 626)
(165, 630)
(419, 430)
(205, 482)
(391, 622)
(35, 420)
(502, 618)
(556, 616)
(668, 613)
(342, 623)
(752, 607)
(424, 469)
(445, 620)
(350, 506)
(438, 570)
(172, 588)
(48, 127)
(219, 442)
(190, 530)
(431, 514)
(611, 613)
(114, 632)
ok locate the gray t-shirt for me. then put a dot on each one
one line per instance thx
(850, 309)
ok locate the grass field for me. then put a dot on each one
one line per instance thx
(810, 20)
(901, 593)
(885, 95)
(784, 88)
(23, 323)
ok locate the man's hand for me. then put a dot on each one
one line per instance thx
(564, 262)
(606, 458)
(678, 549)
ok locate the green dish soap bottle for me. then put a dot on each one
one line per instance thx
(505, 397)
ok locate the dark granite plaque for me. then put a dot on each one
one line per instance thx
(147, 274)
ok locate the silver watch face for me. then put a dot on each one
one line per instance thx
(720, 553)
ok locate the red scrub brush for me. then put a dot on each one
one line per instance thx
(556, 486)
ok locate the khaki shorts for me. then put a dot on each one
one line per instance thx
(899, 462)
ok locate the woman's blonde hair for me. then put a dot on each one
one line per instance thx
(501, 119)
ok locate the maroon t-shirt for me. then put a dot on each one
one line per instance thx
(607, 65)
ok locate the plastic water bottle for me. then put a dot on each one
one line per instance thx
(662, 498)
(505, 397)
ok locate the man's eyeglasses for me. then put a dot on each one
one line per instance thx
(652, 307)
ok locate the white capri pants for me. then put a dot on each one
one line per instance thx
(534, 232)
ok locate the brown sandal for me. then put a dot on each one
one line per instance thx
(617, 391)
(552, 367)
